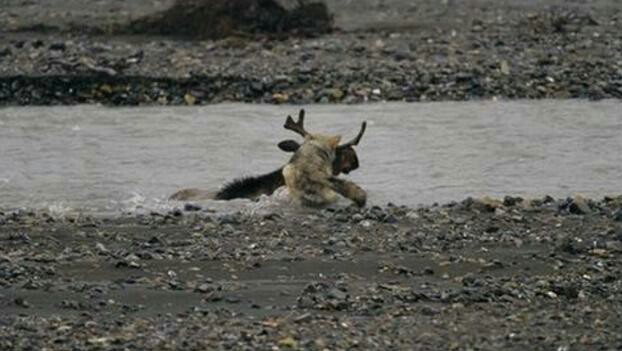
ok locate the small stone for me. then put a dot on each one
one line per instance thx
(288, 342)
(579, 206)
(205, 288)
(280, 98)
(22, 303)
(37, 43)
(190, 99)
(334, 94)
(511, 201)
(192, 207)
(101, 249)
(58, 46)
(505, 67)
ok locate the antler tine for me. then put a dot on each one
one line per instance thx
(356, 140)
(297, 127)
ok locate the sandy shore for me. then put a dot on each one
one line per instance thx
(479, 274)
(384, 50)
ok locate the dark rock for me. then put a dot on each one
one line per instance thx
(37, 43)
(509, 201)
(207, 288)
(21, 302)
(578, 205)
(192, 207)
(19, 44)
(209, 19)
(60, 46)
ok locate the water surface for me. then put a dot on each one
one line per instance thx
(100, 159)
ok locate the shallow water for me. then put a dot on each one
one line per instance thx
(100, 159)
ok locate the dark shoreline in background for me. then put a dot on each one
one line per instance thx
(485, 274)
(200, 90)
(429, 52)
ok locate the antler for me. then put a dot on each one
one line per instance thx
(356, 140)
(297, 127)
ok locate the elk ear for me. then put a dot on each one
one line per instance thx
(289, 145)
(333, 141)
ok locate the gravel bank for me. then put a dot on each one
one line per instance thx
(391, 51)
(478, 274)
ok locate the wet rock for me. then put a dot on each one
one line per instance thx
(37, 43)
(60, 46)
(510, 201)
(21, 302)
(323, 297)
(573, 246)
(192, 207)
(207, 288)
(576, 205)
(19, 44)
(288, 343)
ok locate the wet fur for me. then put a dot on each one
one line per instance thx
(252, 187)
(310, 176)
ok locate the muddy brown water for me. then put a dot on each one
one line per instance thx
(101, 160)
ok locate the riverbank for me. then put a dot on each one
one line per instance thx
(477, 274)
(391, 51)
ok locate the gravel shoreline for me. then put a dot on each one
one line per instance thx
(442, 52)
(477, 274)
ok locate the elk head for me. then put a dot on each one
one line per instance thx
(346, 159)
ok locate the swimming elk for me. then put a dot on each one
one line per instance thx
(344, 160)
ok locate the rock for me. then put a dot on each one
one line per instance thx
(190, 99)
(101, 249)
(334, 94)
(191, 207)
(21, 302)
(505, 67)
(579, 205)
(509, 201)
(37, 43)
(207, 288)
(60, 46)
(280, 98)
(288, 342)
(214, 19)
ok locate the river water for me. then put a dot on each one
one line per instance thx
(99, 159)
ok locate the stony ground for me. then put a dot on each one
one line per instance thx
(385, 50)
(476, 275)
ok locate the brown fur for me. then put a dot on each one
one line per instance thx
(310, 175)
(310, 178)
(346, 161)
